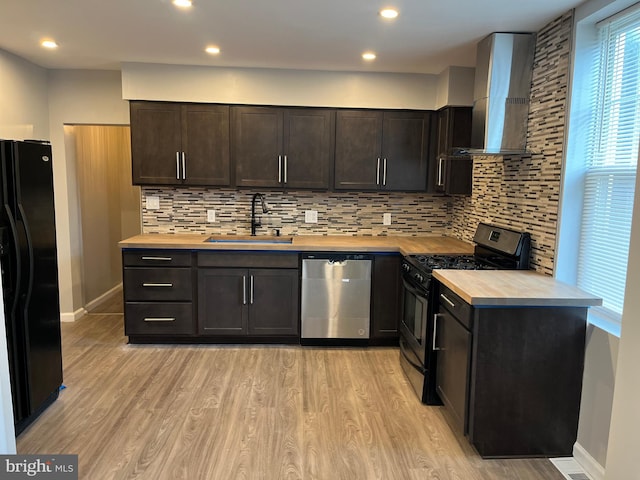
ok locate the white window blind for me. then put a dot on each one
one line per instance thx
(611, 163)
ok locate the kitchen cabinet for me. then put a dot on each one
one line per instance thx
(382, 150)
(283, 147)
(510, 377)
(248, 294)
(386, 291)
(180, 144)
(451, 173)
(158, 293)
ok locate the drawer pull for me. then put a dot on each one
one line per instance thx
(159, 319)
(164, 259)
(444, 297)
(157, 285)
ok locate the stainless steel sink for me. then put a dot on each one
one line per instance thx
(260, 240)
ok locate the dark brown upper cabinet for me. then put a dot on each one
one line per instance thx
(180, 144)
(382, 150)
(282, 147)
(451, 173)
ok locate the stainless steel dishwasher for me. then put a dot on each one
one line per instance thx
(336, 296)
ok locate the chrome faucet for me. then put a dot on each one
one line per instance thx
(256, 222)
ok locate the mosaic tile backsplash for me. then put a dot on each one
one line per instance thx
(184, 210)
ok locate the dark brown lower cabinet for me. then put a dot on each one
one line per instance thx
(234, 300)
(510, 377)
(385, 294)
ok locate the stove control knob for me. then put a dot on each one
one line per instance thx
(405, 267)
(419, 277)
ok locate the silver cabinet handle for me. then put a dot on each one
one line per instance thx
(177, 165)
(184, 167)
(440, 173)
(285, 169)
(435, 332)
(444, 297)
(244, 289)
(160, 319)
(279, 168)
(378, 173)
(251, 289)
(164, 259)
(384, 173)
(169, 285)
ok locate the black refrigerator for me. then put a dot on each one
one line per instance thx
(30, 277)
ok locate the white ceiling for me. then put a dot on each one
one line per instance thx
(427, 37)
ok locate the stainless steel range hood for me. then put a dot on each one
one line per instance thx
(502, 87)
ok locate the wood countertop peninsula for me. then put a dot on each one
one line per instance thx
(304, 243)
(494, 288)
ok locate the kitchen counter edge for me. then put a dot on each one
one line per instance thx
(513, 288)
(404, 245)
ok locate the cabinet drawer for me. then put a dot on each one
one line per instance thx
(156, 258)
(158, 284)
(158, 318)
(248, 260)
(456, 306)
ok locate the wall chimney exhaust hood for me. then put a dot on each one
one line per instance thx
(501, 92)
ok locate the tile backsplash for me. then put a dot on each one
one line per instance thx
(184, 210)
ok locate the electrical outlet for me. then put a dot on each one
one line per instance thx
(211, 216)
(153, 203)
(310, 216)
(386, 219)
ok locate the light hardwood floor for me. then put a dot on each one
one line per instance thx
(248, 412)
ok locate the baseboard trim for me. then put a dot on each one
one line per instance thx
(588, 463)
(93, 304)
(73, 316)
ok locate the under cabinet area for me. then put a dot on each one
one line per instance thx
(158, 293)
(382, 150)
(248, 294)
(180, 144)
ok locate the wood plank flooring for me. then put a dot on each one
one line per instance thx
(248, 412)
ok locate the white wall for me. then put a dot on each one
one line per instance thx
(455, 87)
(278, 87)
(77, 97)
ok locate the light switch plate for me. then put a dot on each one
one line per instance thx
(386, 219)
(153, 203)
(310, 216)
(211, 216)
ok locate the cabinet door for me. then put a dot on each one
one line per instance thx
(257, 146)
(205, 143)
(222, 301)
(308, 145)
(386, 295)
(405, 149)
(155, 143)
(454, 360)
(358, 147)
(274, 302)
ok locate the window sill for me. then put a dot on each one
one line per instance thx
(604, 322)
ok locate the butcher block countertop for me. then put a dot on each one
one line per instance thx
(484, 288)
(304, 243)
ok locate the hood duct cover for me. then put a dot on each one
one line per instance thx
(502, 88)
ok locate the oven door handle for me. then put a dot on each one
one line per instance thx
(405, 353)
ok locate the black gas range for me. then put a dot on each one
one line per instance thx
(496, 248)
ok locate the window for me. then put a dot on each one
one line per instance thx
(611, 158)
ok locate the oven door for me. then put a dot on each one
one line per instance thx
(413, 324)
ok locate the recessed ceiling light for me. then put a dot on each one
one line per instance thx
(49, 44)
(183, 3)
(212, 50)
(389, 13)
(369, 56)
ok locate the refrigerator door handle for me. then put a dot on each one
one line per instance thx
(18, 277)
(30, 251)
